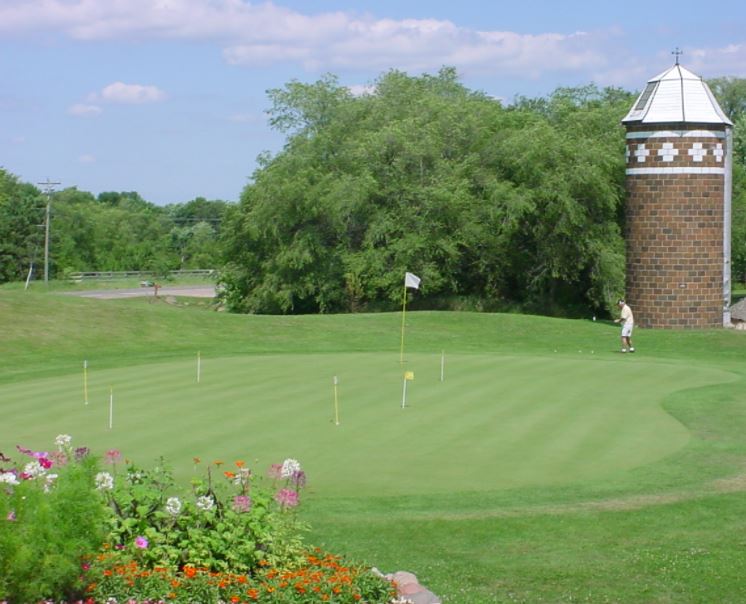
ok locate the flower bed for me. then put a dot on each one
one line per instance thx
(74, 532)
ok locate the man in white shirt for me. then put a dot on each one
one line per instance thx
(628, 322)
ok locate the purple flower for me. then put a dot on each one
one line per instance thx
(81, 452)
(11, 516)
(141, 542)
(287, 498)
(299, 479)
(242, 503)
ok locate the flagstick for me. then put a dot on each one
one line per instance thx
(403, 314)
(111, 407)
(336, 402)
(442, 364)
(404, 394)
(199, 365)
(85, 382)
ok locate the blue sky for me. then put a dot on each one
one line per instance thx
(168, 97)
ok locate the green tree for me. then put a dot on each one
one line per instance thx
(503, 206)
(21, 227)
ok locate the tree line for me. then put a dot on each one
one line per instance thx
(494, 206)
(114, 231)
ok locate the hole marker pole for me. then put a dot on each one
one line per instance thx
(85, 382)
(336, 401)
(408, 375)
(111, 407)
(199, 366)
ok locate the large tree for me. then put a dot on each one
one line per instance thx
(503, 206)
(22, 219)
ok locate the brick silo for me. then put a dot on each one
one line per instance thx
(678, 181)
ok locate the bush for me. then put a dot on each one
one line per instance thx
(50, 516)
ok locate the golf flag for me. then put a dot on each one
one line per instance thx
(411, 280)
(409, 375)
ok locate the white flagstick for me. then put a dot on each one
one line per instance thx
(85, 382)
(199, 366)
(404, 394)
(111, 407)
(336, 402)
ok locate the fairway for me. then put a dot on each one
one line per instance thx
(496, 421)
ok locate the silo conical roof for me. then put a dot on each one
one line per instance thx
(674, 96)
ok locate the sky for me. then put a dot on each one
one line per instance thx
(169, 97)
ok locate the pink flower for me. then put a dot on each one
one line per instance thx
(242, 503)
(275, 471)
(113, 456)
(141, 542)
(287, 498)
(11, 516)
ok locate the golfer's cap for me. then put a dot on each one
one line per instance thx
(621, 301)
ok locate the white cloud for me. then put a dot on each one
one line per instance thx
(119, 92)
(729, 60)
(361, 89)
(86, 159)
(84, 110)
(265, 34)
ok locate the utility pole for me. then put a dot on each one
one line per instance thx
(48, 190)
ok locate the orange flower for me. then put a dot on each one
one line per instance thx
(253, 594)
(196, 460)
(190, 571)
(230, 475)
(235, 599)
(240, 464)
(218, 462)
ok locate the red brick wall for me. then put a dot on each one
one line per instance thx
(674, 233)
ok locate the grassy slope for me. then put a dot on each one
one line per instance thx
(668, 532)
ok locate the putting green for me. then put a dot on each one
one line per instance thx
(494, 422)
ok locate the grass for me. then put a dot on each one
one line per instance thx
(528, 475)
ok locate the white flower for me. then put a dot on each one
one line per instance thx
(289, 467)
(205, 503)
(104, 481)
(49, 482)
(34, 469)
(63, 441)
(9, 478)
(173, 506)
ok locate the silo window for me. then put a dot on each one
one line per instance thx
(645, 96)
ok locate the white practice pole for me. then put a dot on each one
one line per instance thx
(85, 382)
(404, 394)
(111, 407)
(336, 401)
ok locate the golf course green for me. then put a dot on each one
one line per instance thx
(496, 421)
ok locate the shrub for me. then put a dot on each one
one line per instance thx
(50, 516)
